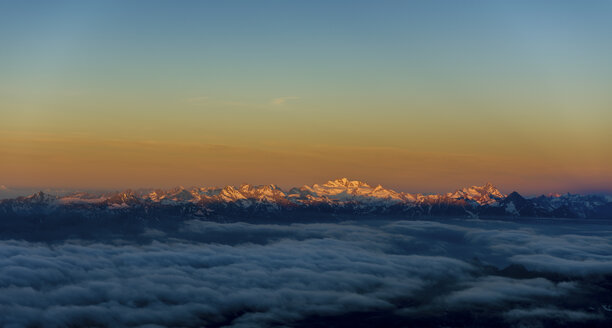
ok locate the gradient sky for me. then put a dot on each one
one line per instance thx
(420, 96)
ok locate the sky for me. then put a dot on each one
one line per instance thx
(419, 96)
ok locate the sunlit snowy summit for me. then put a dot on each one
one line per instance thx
(338, 197)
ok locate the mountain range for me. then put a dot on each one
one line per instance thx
(336, 197)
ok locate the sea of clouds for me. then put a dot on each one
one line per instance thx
(359, 273)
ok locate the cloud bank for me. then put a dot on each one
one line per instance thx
(452, 273)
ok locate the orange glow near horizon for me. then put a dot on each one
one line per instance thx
(94, 163)
(419, 99)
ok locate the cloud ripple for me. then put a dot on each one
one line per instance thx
(238, 274)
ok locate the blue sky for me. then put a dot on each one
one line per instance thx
(516, 83)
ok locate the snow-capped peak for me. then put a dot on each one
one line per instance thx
(345, 183)
(486, 194)
(40, 198)
(345, 190)
(340, 192)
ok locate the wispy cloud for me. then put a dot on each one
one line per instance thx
(282, 100)
(3, 188)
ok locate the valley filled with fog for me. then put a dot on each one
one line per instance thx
(452, 272)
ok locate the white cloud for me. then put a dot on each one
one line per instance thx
(261, 275)
(282, 100)
(185, 284)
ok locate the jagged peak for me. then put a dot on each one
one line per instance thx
(245, 187)
(344, 182)
(514, 195)
(341, 191)
(128, 194)
(336, 182)
(229, 188)
(268, 187)
(485, 194)
(486, 187)
(37, 194)
(40, 197)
